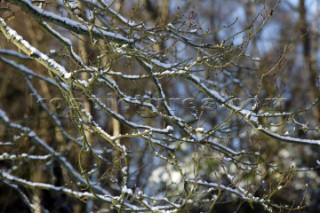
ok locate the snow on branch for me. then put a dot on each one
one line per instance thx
(35, 138)
(77, 27)
(31, 51)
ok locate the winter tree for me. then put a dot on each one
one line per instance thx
(159, 106)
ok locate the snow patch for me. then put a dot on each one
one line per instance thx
(127, 190)
(4, 116)
(67, 75)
